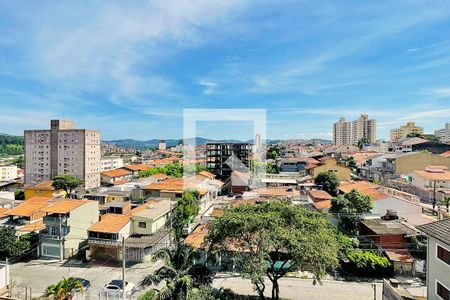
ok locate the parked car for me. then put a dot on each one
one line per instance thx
(116, 285)
(85, 283)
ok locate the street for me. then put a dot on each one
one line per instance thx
(39, 274)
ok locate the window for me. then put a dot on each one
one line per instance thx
(442, 291)
(443, 254)
(142, 225)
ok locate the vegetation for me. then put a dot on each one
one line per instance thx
(67, 183)
(148, 295)
(413, 135)
(351, 163)
(350, 206)
(179, 273)
(267, 167)
(11, 145)
(274, 238)
(328, 181)
(64, 289)
(367, 263)
(362, 142)
(19, 195)
(187, 208)
(173, 170)
(446, 201)
(273, 152)
(10, 245)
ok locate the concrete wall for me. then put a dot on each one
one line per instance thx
(419, 161)
(81, 218)
(436, 269)
(343, 173)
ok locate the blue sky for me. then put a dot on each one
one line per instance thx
(129, 68)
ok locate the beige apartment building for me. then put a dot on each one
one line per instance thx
(350, 132)
(402, 132)
(62, 150)
(8, 173)
(444, 133)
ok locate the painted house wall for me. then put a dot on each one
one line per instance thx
(436, 269)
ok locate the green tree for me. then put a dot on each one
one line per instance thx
(10, 245)
(64, 289)
(328, 181)
(350, 207)
(362, 142)
(148, 295)
(351, 162)
(271, 239)
(178, 272)
(67, 183)
(413, 135)
(446, 201)
(187, 209)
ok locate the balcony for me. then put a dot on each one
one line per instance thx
(103, 242)
(51, 220)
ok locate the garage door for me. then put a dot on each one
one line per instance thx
(50, 250)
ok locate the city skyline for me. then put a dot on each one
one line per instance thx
(117, 67)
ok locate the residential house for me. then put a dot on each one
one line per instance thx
(392, 237)
(320, 199)
(67, 223)
(106, 236)
(438, 259)
(114, 177)
(43, 189)
(329, 164)
(406, 206)
(28, 212)
(240, 182)
(135, 169)
(111, 163)
(431, 177)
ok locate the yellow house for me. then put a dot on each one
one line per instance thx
(329, 164)
(43, 189)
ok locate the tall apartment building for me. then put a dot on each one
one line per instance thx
(404, 130)
(224, 158)
(350, 132)
(162, 145)
(443, 134)
(62, 150)
(111, 163)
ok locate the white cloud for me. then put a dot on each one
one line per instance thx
(209, 87)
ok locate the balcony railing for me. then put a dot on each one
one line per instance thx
(54, 220)
(99, 241)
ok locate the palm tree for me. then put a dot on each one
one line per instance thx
(64, 289)
(176, 272)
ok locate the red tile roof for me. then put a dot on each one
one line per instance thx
(110, 223)
(115, 173)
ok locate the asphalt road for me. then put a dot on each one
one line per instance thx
(39, 274)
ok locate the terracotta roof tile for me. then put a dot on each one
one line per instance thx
(27, 209)
(115, 173)
(42, 186)
(444, 175)
(445, 154)
(323, 204)
(364, 187)
(2, 212)
(65, 206)
(137, 167)
(197, 238)
(110, 223)
(33, 227)
(319, 195)
(207, 174)
(39, 199)
(160, 176)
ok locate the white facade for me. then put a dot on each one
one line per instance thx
(62, 150)
(162, 145)
(444, 133)
(111, 163)
(8, 173)
(349, 133)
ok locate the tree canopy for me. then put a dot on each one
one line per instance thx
(173, 170)
(10, 245)
(350, 206)
(67, 183)
(273, 238)
(187, 208)
(328, 181)
(11, 145)
(64, 289)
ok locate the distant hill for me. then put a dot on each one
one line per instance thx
(10, 144)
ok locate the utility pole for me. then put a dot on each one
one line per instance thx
(61, 250)
(124, 296)
(374, 291)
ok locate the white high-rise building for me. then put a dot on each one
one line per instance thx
(350, 132)
(162, 145)
(443, 134)
(62, 150)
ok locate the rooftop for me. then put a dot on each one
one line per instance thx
(110, 223)
(439, 230)
(155, 209)
(384, 227)
(42, 186)
(115, 173)
(65, 206)
(33, 227)
(364, 187)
